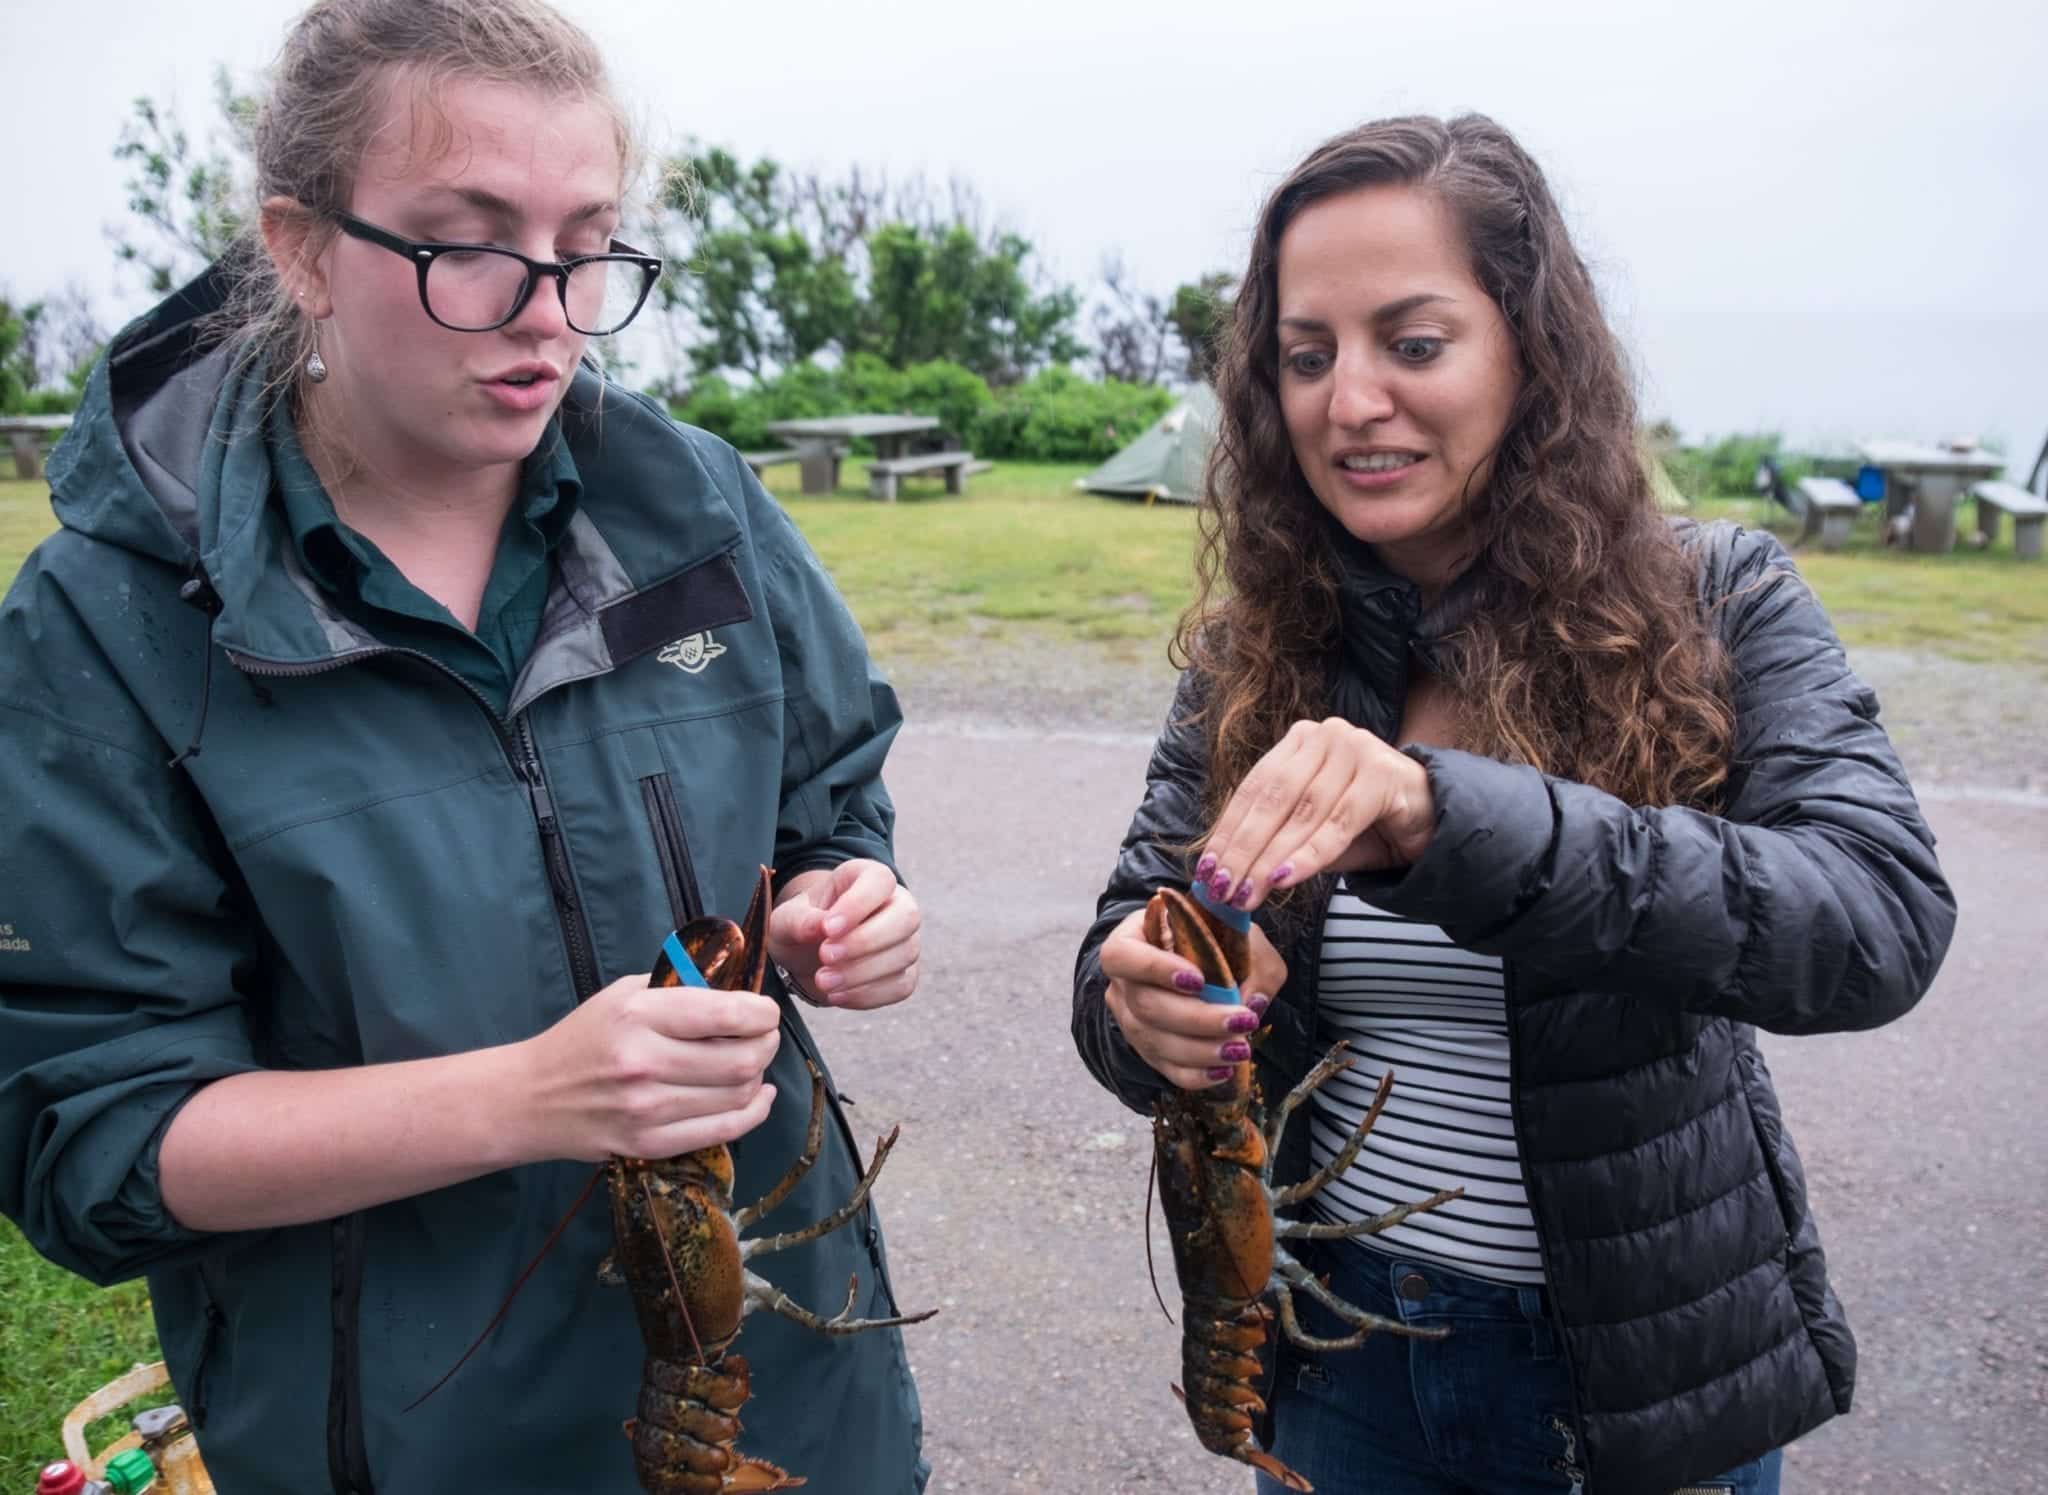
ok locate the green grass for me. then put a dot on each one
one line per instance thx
(1024, 558)
(1978, 606)
(1020, 555)
(60, 1339)
(1021, 558)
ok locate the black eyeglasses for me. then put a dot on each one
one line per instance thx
(478, 287)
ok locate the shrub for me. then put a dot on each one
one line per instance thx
(1059, 416)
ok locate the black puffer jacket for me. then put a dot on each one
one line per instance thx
(1642, 949)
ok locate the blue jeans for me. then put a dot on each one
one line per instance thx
(1486, 1410)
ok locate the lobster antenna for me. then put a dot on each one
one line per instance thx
(668, 1260)
(1151, 1266)
(545, 1247)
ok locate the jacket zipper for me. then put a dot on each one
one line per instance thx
(1543, 1251)
(523, 755)
(348, 1464)
(678, 870)
(561, 878)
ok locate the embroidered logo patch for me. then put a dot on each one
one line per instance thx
(691, 654)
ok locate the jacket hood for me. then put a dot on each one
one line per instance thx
(166, 459)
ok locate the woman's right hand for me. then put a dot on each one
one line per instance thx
(1152, 995)
(649, 1073)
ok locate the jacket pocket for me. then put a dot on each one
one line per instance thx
(212, 1295)
(672, 849)
(1767, 1136)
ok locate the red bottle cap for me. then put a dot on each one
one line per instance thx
(61, 1478)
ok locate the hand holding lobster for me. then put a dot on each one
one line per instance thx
(1154, 996)
(634, 1072)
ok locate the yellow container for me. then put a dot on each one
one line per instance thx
(172, 1448)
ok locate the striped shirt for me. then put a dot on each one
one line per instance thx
(1406, 998)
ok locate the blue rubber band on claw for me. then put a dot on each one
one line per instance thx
(678, 957)
(1236, 918)
(1226, 995)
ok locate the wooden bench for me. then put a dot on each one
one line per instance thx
(1829, 507)
(2028, 509)
(813, 456)
(882, 476)
(25, 434)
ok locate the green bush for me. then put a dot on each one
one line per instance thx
(1059, 416)
(1728, 467)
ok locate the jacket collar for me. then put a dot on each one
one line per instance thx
(1382, 629)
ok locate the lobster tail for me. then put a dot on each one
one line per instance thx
(683, 1438)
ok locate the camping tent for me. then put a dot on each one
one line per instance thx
(1167, 461)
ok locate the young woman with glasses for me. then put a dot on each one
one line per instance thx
(394, 685)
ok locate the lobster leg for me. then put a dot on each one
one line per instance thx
(762, 1293)
(1329, 1065)
(1293, 1272)
(813, 1141)
(1290, 1325)
(765, 1244)
(1295, 1193)
(1295, 1230)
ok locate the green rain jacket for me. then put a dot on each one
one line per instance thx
(365, 863)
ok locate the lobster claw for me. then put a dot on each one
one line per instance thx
(719, 953)
(1214, 937)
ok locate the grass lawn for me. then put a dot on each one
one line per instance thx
(1021, 557)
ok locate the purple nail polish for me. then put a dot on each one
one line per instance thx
(1242, 898)
(1281, 873)
(1242, 1022)
(1223, 1073)
(1236, 1051)
(1219, 885)
(1204, 867)
(1258, 1001)
(1187, 981)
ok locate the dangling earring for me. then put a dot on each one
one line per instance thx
(316, 367)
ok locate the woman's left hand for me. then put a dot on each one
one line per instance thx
(1328, 797)
(849, 936)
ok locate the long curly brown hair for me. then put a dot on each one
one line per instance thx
(1586, 652)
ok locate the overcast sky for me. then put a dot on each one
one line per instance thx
(1828, 217)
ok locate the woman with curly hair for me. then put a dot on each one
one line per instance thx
(1542, 802)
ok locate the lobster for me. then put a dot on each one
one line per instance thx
(680, 1254)
(1213, 1155)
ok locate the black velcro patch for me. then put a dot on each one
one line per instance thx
(710, 595)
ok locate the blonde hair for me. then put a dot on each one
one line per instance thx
(337, 69)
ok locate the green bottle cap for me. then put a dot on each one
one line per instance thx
(129, 1472)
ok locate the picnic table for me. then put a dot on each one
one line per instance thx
(1929, 480)
(816, 438)
(24, 434)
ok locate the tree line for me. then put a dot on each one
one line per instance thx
(782, 285)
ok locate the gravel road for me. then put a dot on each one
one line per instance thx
(1016, 1198)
